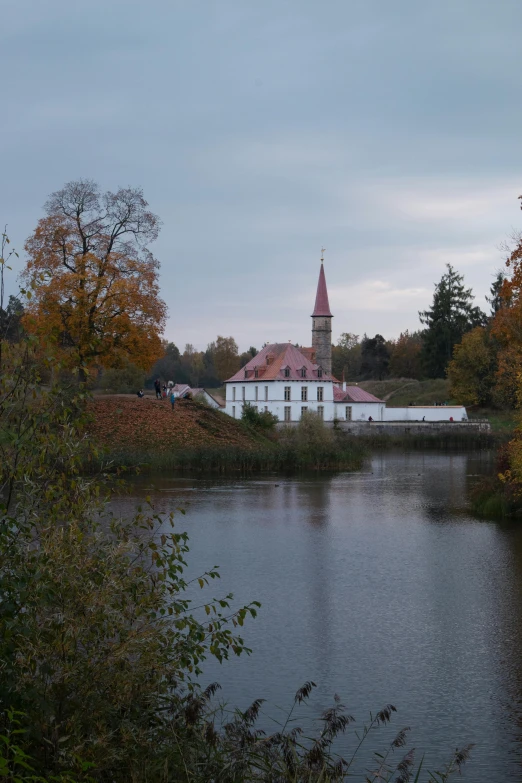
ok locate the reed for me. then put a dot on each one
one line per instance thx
(279, 456)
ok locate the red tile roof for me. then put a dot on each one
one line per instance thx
(271, 361)
(353, 394)
(322, 306)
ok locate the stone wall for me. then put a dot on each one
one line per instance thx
(408, 428)
(322, 341)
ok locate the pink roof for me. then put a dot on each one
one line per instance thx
(272, 361)
(322, 306)
(353, 394)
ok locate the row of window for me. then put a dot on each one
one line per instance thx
(288, 393)
(304, 393)
(304, 408)
(286, 372)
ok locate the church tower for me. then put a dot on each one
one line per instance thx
(322, 325)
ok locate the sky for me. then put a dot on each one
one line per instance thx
(389, 133)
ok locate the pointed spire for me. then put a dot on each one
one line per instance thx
(322, 306)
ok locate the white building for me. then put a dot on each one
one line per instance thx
(287, 381)
(281, 379)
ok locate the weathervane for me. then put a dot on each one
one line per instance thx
(322, 254)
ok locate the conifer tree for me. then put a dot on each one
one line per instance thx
(451, 315)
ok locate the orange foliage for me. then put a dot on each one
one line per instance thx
(507, 330)
(149, 425)
(92, 283)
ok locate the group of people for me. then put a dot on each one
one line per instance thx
(167, 390)
(164, 391)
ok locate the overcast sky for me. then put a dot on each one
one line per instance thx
(259, 131)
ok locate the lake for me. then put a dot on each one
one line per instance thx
(380, 586)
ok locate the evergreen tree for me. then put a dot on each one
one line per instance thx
(495, 300)
(11, 328)
(451, 315)
(375, 357)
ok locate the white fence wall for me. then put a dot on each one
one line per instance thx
(429, 412)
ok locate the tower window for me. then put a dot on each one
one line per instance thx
(288, 392)
(234, 411)
(233, 393)
(320, 393)
(304, 394)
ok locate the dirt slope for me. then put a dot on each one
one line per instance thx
(130, 424)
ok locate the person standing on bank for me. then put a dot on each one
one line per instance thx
(172, 398)
(157, 388)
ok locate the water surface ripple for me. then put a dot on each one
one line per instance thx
(380, 586)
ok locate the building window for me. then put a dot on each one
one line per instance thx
(266, 408)
(246, 373)
(304, 409)
(348, 413)
(288, 391)
(257, 393)
(287, 372)
(304, 394)
(320, 372)
(256, 372)
(234, 393)
(266, 393)
(320, 411)
(243, 392)
(288, 413)
(234, 411)
(320, 390)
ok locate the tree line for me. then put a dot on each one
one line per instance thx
(91, 284)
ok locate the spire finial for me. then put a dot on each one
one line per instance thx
(322, 254)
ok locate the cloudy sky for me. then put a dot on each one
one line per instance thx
(262, 130)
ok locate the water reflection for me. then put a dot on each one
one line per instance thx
(378, 585)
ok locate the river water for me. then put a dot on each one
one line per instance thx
(380, 586)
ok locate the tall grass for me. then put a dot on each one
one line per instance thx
(234, 459)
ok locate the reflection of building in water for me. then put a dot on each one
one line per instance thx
(314, 499)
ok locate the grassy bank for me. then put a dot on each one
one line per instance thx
(399, 392)
(147, 433)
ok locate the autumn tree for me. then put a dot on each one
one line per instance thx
(507, 328)
(471, 371)
(405, 358)
(97, 293)
(346, 357)
(226, 357)
(451, 315)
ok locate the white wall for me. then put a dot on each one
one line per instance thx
(430, 412)
(361, 411)
(276, 402)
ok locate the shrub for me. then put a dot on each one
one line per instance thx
(260, 420)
